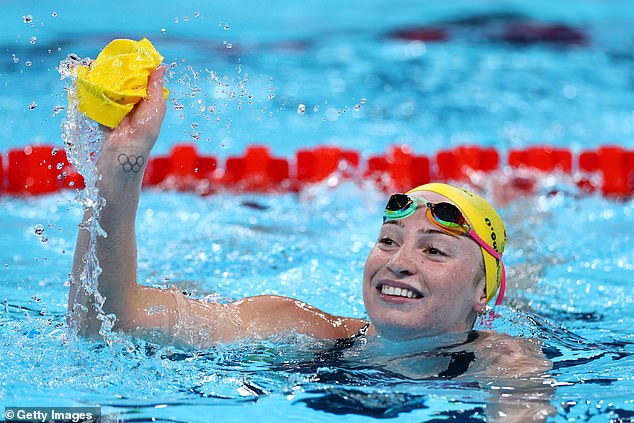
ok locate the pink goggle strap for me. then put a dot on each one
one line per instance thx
(498, 256)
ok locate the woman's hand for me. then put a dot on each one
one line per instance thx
(139, 130)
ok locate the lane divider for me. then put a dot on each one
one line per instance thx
(44, 169)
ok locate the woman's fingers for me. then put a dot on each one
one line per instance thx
(146, 118)
(155, 84)
(155, 103)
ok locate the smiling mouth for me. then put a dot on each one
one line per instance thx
(394, 291)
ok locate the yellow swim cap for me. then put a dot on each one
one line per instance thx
(116, 80)
(484, 221)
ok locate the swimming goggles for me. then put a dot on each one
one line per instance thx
(447, 217)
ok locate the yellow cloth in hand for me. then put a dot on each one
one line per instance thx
(116, 80)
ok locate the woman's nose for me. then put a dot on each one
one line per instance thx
(402, 263)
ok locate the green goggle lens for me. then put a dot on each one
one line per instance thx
(400, 206)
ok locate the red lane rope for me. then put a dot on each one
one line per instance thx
(609, 169)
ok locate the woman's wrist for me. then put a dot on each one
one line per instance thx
(121, 169)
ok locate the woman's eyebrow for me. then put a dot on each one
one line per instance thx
(428, 231)
(424, 231)
(393, 222)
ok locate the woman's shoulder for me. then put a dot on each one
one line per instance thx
(504, 355)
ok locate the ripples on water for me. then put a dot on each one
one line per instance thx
(568, 283)
(569, 258)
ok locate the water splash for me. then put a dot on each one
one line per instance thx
(83, 140)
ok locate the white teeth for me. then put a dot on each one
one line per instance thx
(398, 292)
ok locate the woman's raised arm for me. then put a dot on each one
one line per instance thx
(121, 165)
(166, 315)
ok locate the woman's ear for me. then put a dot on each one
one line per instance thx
(480, 296)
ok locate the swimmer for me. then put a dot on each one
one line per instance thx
(435, 266)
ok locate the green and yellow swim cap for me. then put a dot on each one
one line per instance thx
(116, 80)
(484, 220)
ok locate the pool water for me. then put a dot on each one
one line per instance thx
(570, 258)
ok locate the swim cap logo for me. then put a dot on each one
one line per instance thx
(494, 243)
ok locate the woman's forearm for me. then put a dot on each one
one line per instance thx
(121, 165)
(120, 185)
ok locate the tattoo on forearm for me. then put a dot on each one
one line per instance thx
(131, 163)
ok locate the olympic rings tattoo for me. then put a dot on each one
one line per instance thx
(131, 163)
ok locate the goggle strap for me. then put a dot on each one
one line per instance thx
(498, 256)
(498, 301)
(484, 245)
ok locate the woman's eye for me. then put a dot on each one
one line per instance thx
(386, 241)
(434, 251)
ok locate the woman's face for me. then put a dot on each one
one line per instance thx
(420, 281)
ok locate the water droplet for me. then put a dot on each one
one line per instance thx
(363, 101)
(54, 151)
(60, 166)
(196, 14)
(163, 30)
(185, 18)
(175, 20)
(32, 40)
(54, 14)
(28, 63)
(226, 27)
(332, 114)
(27, 19)
(33, 105)
(229, 45)
(57, 109)
(15, 58)
(357, 107)
(36, 298)
(44, 240)
(316, 109)
(38, 229)
(301, 109)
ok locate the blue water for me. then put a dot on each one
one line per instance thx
(570, 258)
